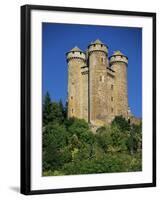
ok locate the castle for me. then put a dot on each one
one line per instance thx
(97, 84)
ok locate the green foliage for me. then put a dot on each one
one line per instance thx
(122, 123)
(103, 138)
(135, 140)
(55, 151)
(52, 111)
(52, 173)
(70, 147)
(77, 126)
(108, 164)
(47, 109)
(111, 139)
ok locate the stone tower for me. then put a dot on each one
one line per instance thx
(97, 85)
(76, 64)
(119, 62)
(98, 62)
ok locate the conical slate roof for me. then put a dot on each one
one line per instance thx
(76, 49)
(97, 41)
(119, 53)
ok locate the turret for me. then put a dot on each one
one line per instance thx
(118, 57)
(98, 63)
(76, 60)
(76, 53)
(97, 45)
(119, 63)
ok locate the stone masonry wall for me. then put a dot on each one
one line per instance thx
(97, 92)
(84, 72)
(75, 89)
(120, 89)
(97, 87)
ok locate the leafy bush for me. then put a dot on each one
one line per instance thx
(108, 164)
(70, 147)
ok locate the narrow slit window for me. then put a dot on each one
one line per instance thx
(101, 79)
(102, 60)
(111, 87)
(111, 98)
(112, 110)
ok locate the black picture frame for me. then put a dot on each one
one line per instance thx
(26, 98)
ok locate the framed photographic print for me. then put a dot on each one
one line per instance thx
(88, 99)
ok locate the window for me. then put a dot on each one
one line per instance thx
(72, 110)
(111, 98)
(111, 87)
(112, 110)
(101, 79)
(71, 97)
(102, 60)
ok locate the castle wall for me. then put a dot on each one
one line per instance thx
(110, 85)
(97, 92)
(120, 89)
(75, 95)
(84, 72)
(97, 87)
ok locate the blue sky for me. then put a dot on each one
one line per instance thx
(58, 39)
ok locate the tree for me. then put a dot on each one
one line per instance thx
(57, 112)
(62, 110)
(111, 139)
(65, 110)
(55, 150)
(47, 109)
(103, 138)
(53, 112)
(77, 126)
(70, 147)
(135, 141)
(122, 123)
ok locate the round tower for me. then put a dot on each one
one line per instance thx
(119, 63)
(76, 59)
(98, 63)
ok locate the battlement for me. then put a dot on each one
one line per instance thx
(76, 53)
(118, 57)
(97, 45)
